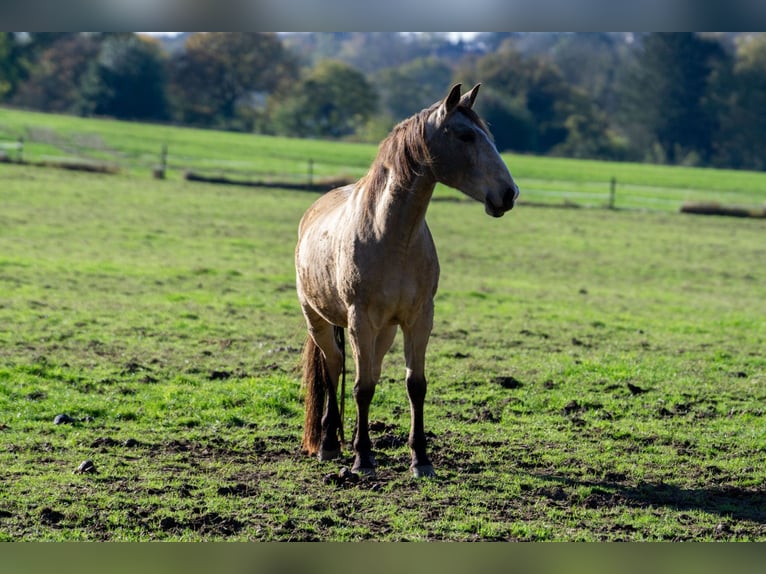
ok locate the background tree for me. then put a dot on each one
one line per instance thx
(513, 125)
(14, 63)
(666, 93)
(413, 86)
(590, 136)
(680, 98)
(368, 52)
(313, 47)
(742, 138)
(529, 102)
(589, 61)
(220, 78)
(489, 42)
(54, 82)
(126, 80)
(503, 101)
(333, 100)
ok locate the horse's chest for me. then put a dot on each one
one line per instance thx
(396, 282)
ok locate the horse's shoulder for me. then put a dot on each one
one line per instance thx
(325, 205)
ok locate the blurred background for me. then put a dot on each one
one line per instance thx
(693, 99)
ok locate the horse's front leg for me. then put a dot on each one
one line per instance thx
(362, 340)
(415, 342)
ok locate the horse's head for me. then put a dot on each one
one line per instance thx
(464, 156)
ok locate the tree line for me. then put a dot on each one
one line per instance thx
(676, 98)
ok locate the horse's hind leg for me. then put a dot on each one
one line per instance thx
(322, 333)
(383, 344)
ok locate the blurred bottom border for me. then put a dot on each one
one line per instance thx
(380, 558)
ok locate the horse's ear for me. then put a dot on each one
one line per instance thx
(452, 100)
(470, 97)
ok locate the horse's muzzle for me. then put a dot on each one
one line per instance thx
(508, 201)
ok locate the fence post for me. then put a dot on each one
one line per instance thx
(311, 174)
(612, 189)
(20, 150)
(159, 172)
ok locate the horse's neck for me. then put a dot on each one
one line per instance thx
(401, 208)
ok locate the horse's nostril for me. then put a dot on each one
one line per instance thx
(510, 197)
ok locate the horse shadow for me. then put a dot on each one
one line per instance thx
(727, 501)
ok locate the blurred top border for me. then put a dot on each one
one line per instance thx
(388, 15)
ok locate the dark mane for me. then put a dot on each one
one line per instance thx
(404, 153)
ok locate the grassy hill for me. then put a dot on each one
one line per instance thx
(135, 148)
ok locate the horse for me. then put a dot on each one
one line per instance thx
(365, 261)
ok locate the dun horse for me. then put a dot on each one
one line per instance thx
(366, 261)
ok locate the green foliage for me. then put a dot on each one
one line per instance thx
(691, 99)
(126, 80)
(589, 136)
(743, 125)
(513, 125)
(332, 101)
(413, 86)
(529, 105)
(590, 62)
(667, 93)
(13, 63)
(368, 52)
(55, 81)
(216, 77)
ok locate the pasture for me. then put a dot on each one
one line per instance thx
(135, 148)
(593, 374)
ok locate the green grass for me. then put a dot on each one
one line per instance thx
(594, 374)
(651, 187)
(135, 148)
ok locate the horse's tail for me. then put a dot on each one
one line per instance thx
(316, 382)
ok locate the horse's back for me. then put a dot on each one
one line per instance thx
(327, 204)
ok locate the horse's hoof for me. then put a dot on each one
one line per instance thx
(364, 465)
(423, 471)
(324, 455)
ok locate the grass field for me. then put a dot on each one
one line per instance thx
(136, 149)
(594, 374)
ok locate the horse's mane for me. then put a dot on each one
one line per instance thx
(404, 153)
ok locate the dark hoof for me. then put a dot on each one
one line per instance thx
(364, 465)
(423, 471)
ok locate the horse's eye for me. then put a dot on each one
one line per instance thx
(466, 137)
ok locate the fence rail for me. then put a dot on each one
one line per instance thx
(292, 172)
(614, 195)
